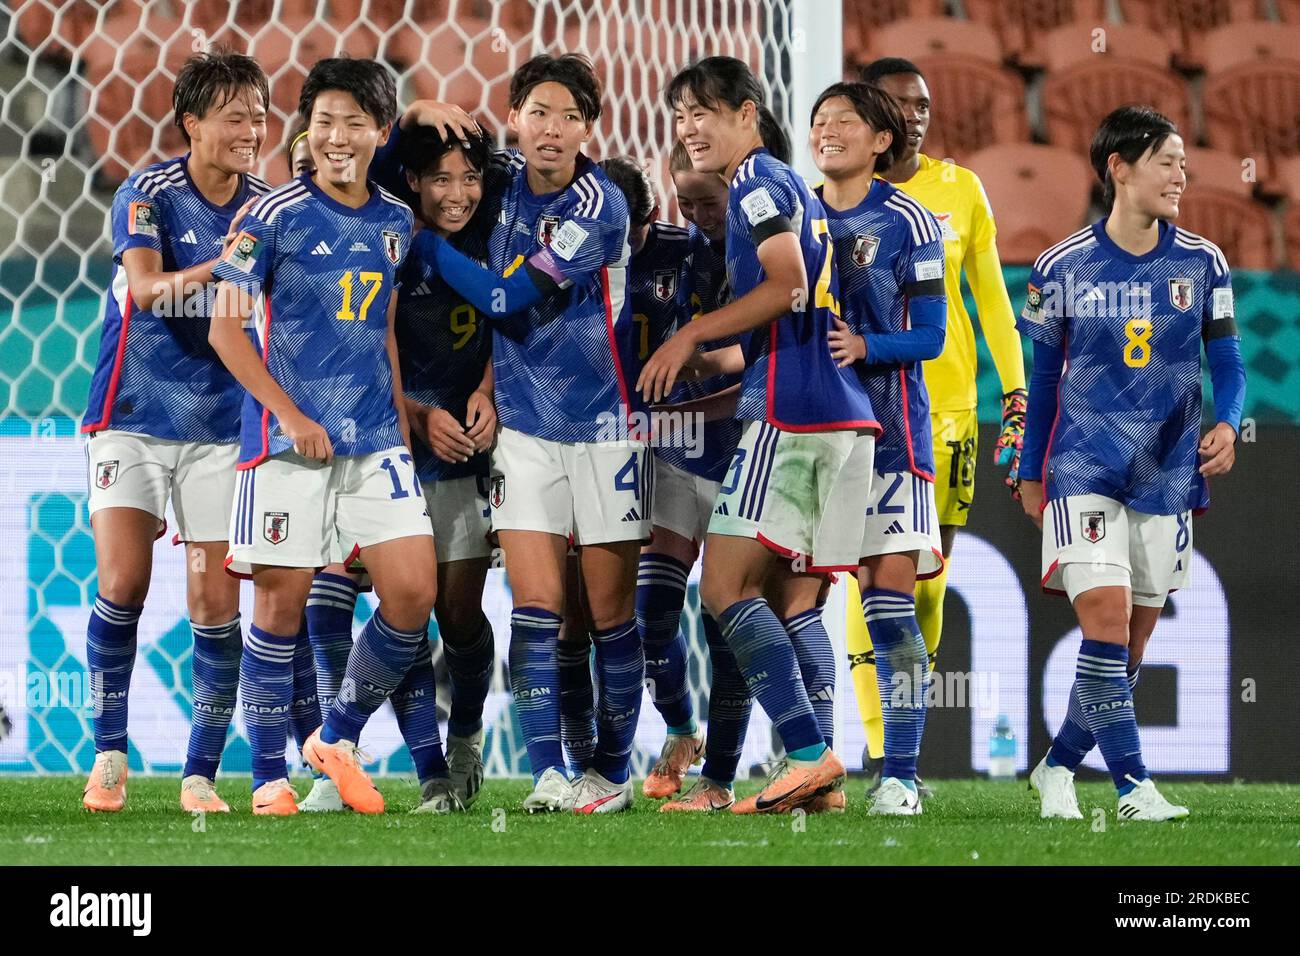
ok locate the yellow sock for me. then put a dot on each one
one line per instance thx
(862, 667)
(929, 610)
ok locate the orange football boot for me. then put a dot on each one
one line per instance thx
(680, 753)
(342, 763)
(106, 789)
(275, 798)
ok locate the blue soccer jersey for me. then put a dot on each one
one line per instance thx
(704, 290)
(889, 253)
(655, 287)
(323, 274)
(156, 374)
(565, 367)
(790, 379)
(1129, 406)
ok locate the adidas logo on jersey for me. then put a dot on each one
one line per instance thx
(422, 289)
(721, 509)
(632, 515)
(894, 528)
(189, 238)
(359, 246)
(321, 249)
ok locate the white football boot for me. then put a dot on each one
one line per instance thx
(894, 798)
(551, 794)
(323, 798)
(465, 762)
(593, 793)
(1055, 786)
(1144, 802)
(439, 796)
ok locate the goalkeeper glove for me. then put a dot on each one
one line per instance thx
(1012, 438)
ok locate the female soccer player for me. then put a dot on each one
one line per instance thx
(889, 253)
(799, 478)
(565, 463)
(1118, 313)
(163, 418)
(325, 451)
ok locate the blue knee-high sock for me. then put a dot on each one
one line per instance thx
(110, 658)
(816, 656)
(660, 594)
(215, 675)
(901, 676)
(535, 684)
(265, 693)
(377, 664)
(330, 606)
(729, 708)
(577, 701)
(1106, 703)
(1075, 740)
(415, 703)
(766, 657)
(304, 711)
(620, 665)
(470, 662)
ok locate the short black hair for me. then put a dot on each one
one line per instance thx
(210, 80)
(878, 110)
(627, 174)
(717, 80)
(888, 66)
(421, 148)
(1131, 131)
(369, 81)
(573, 71)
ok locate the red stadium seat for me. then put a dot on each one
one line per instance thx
(1220, 171)
(864, 19)
(1288, 10)
(934, 37)
(1251, 110)
(1243, 43)
(1076, 99)
(1187, 22)
(55, 28)
(1024, 181)
(1241, 227)
(1020, 24)
(1068, 45)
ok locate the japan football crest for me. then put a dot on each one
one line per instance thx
(864, 250)
(1180, 294)
(546, 228)
(497, 495)
(393, 246)
(275, 526)
(665, 284)
(1092, 525)
(105, 474)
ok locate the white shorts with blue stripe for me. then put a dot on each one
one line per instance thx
(901, 517)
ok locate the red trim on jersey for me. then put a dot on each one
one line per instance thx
(613, 348)
(824, 426)
(107, 411)
(938, 571)
(266, 412)
(235, 574)
(1046, 577)
(795, 556)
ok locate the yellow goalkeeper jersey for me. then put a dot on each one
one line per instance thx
(956, 197)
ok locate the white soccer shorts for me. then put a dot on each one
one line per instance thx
(461, 516)
(901, 517)
(803, 494)
(1105, 543)
(683, 502)
(594, 492)
(297, 512)
(127, 470)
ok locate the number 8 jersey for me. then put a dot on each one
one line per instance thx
(1129, 410)
(322, 273)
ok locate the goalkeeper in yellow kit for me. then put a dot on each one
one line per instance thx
(956, 198)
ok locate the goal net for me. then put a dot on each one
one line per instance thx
(87, 99)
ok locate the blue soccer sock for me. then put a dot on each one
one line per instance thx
(534, 682)
(377, 664)
(304, 710)
(729, 708)
(470, 663)
(265, 693)
(620, 664)
(415, 703)
(816, 656)
(660, 594)
(215, 676)
(330, 607)
(1106, 703)
(766, 657)
(901, 676)
(110, 658)
(577, 701)
(1074, 740)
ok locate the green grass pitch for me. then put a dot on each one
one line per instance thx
(970, 823)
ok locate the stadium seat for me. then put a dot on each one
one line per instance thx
(1241, 227)
(1289, 174)
(1076, 42)
(864, 19)
(54, 29)
(1020, 24)
(1221, 171)
(1077, 98)
(1243, 43)
(1251, 110)
(934, 37)
(1039, 195)
(1288, 10)
(1186, 23)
